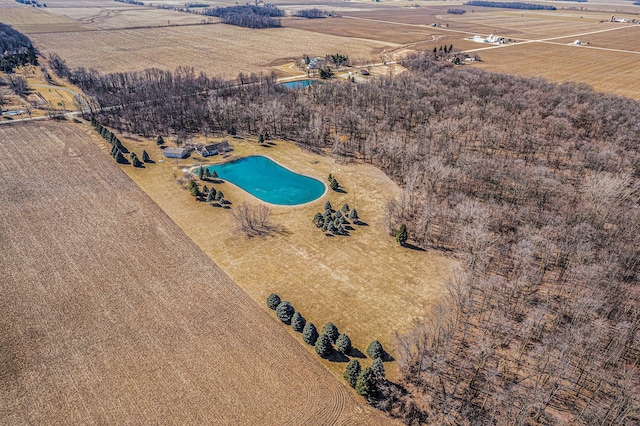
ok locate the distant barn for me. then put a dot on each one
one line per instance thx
(175, 152)
(214, 148)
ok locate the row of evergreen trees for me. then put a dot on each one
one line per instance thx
(117, 148)
(334, 221)
(364, 380)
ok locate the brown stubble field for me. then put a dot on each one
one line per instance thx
(112, 315)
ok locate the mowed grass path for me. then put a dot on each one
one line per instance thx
(112, 315)
(365, 283)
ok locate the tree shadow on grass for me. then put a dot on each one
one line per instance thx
(336, 356)
(361, 223)
(355, 353)
(412, 247)
(340, 190)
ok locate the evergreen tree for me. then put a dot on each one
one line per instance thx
(260, 138)
(214, 174)
(334, 185)
(193, 188)
(343, 344)
(310, 334)
(159, 140)
(352, 372)
(134, 159)
(330, 227)
(298, 322)
(338, 214)
(273, 300)
(331, 330)
(345, 208)
(145, 157)
(323, 345)
(119, 157)
(211, 197)
(207, 173)
(401, 235)
(353, 215)
(222, 201)
(219, 196)
(201, 173)
(375, 350)
(318, 220)
(205, 190)
(377, 368)
(330, 178)
(366, 383)
(285, 311)
(327, 206)
(114, 149)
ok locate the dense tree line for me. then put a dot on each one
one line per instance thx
(314, 13)
(248, 16)
(16, 49)
(532, 185)
(509, 5)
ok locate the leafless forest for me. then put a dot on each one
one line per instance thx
(533, 185)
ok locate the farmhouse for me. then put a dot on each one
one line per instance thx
(175, 152)
(214, 148)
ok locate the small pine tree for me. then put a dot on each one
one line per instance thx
(330, 178)
(113, 151)
(366, 383)
(205, 190)
(285, 311)
(273, 300)
(214, 174)
(159, 140)
(222, 201)
(401, 235)
(219, 195)
(327, 206)
(310, 334)
(352, 372)
(330, 227)
(120, 157)
(145, 157)
(318, 220)
(323, 345)
(334, 185)
(201, 173)
(353, 215)
(260, 138)
(211, 197)
(331, 330)
(193, 188)
(338, 214)
(377, 368)
(207, 173)
(375, 350)
(343, 344)
(134, 159)
(298, 322)
(345, 208)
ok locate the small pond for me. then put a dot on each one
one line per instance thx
(268, 181)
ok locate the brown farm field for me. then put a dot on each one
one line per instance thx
(112, 315)
(219, 50)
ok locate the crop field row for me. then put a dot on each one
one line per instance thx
(219, 50)
(112, 315)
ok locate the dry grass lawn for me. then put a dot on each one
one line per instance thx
(365, 283)
(112, 315)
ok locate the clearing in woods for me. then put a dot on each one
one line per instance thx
(111, 314)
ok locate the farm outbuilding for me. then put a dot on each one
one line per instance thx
(175, 152)
(214, 148)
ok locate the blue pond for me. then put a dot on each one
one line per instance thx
(299, 84)
(269, 181)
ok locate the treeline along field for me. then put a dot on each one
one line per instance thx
(532, 185)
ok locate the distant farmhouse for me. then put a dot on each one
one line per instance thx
(214, 149)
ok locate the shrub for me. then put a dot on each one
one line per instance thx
(343, 343)
(285, 311)
(310, 334)
(273, 300)
(377, 368)
(298, 322)
(323, 345)
(352, 372)
(330, 330)
(375, 350)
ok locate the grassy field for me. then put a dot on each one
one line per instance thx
(112, 315)
(365, 283)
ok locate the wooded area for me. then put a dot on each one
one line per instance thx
(533, 185)
(15, 49)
